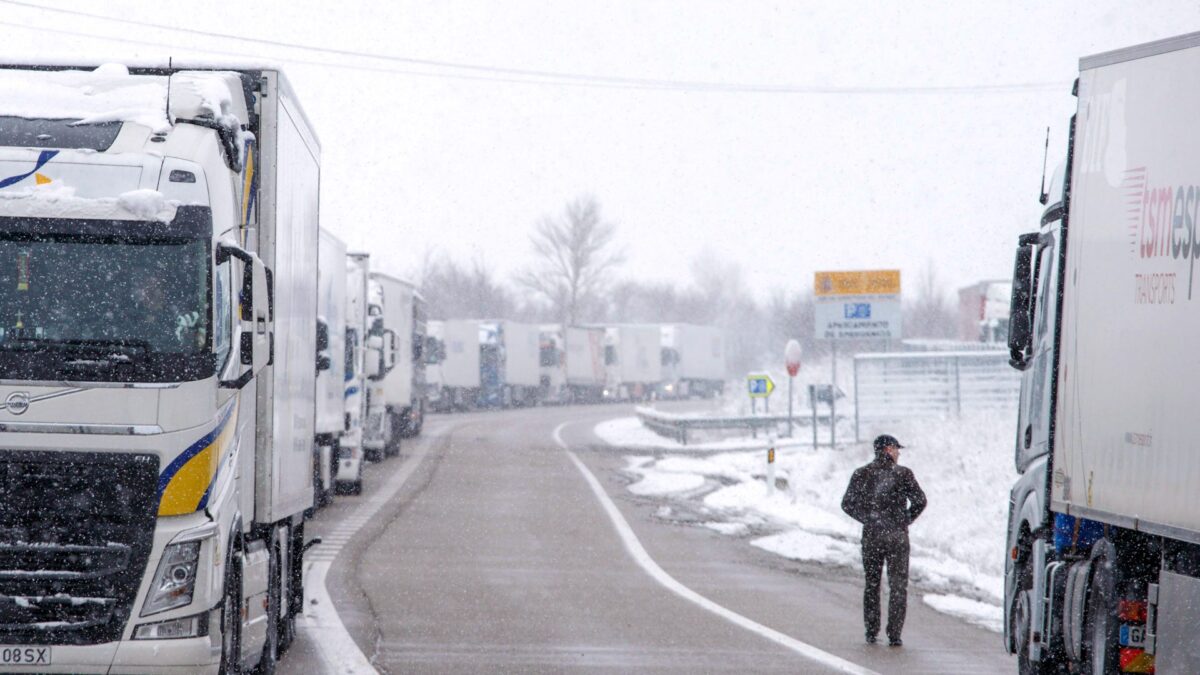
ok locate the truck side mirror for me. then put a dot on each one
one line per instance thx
(391, 349)
(1020, 322)
(374, 357)
(256, 342)
(323, 360)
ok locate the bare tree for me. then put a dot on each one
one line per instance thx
(454, 291)
(575, 258)
(929, 315)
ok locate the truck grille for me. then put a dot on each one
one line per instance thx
(76, 531)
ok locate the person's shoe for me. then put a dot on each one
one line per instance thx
(895, 642)
(871, 639)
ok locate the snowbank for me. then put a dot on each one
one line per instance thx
(628, 432)
(964, 465)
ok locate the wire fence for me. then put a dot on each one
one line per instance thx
(895, 386)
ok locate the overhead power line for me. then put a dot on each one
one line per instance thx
(527, 76)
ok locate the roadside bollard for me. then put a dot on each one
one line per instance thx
(771, 468)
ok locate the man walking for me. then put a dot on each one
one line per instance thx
(885, 498)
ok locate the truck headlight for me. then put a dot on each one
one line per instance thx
(174, 629)
(175, 579)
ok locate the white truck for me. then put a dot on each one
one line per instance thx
(490, 363)
(633, 361)
(382, 347)
(693, 361)
(1103, 556)
(332, 358)
(157, 339)
(404, 314)
(436, 396)
(363, 360)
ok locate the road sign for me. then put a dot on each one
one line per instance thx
(759, 385)
(857, 305)
(791, 357)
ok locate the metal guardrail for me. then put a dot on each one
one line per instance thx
(678, 427)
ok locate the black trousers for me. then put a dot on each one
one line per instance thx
(890, 549)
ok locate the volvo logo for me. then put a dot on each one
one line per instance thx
(17, 402)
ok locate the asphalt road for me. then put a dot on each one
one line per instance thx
(495, 555)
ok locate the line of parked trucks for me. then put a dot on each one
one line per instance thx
(474, 364)
(189, 364)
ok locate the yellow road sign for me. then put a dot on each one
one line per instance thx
(759, 385)
(865, 282)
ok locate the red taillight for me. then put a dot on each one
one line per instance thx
(1014, 553)
(1132, 611)
(1135, 661)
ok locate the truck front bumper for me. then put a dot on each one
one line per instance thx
(190, 655)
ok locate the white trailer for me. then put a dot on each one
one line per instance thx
(693, 361)
(552, 364)
(585, 370)
(332, 354)
(521, 374)
(633, 359)
(157, 343)
(435, 354)
(362, 361)
(404, 387)
(490, 363)
(1103, 559)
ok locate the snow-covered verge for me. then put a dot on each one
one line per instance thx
(628, 432)
(964, 465)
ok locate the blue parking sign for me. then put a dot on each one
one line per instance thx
(857, 310)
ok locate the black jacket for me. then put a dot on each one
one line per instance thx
(883, 496)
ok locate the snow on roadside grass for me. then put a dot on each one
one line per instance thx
(628, 432)
(964, 466)
(981, 614)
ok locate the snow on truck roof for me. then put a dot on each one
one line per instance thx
(110, 93)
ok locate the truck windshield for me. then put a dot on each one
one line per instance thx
(111, 301)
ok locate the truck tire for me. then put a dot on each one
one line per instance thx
(394, 431)
(231, 615)
(1023, 601)
(1101, 624)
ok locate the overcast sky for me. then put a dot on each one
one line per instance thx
(862, 161)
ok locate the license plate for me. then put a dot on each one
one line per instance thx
(25, 656)
(1133, 636)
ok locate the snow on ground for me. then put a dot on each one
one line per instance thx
(628, 432)
(964, 465)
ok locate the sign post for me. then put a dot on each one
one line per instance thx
(791, 357)
(759, 385)
(862, 305)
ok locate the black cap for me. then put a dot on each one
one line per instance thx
(885, 441)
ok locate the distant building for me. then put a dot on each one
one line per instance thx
(983, 311)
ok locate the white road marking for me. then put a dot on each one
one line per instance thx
(320, 622)
(643, 559)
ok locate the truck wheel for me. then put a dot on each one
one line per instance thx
(1101, 625)
(356, 487)
(1021, 615)
(391, 446)
(231, 616)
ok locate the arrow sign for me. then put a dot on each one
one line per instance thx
(759, 385)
